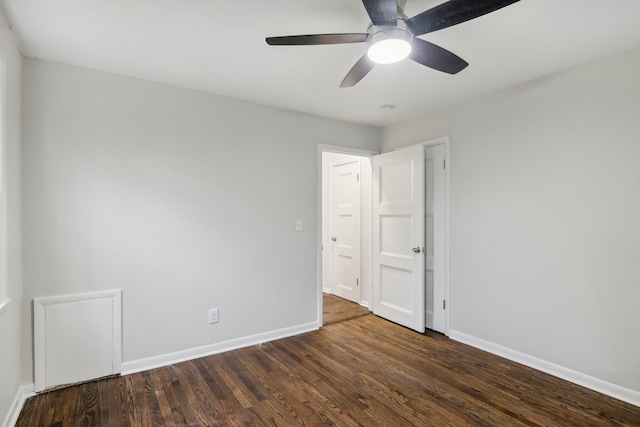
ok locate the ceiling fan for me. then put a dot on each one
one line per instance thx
(392, 36)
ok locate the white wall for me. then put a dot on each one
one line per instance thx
(366, 225)
(184, 200)
(10, 250)
(545, 217)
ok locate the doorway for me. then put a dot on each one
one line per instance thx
(338, 267)
(346, 225)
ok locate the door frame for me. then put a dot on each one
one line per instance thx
(445, 141)
(369, 153)
(333, 149)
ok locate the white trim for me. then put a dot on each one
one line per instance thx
(333, 149)
(345, 150)
(4, 211)
(39, 333)
(207, 350)
(4, 305)
(22, 394)
(601, 386)
(88, 296)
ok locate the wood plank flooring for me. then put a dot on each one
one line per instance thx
(359, 372)
(336, 309)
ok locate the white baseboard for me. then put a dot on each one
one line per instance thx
(207, 350)
(364, 303)
(604, 387)
(24, 392)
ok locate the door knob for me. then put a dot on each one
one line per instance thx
(417, 250)
(333, 239)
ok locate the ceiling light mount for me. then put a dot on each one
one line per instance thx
(388, 44)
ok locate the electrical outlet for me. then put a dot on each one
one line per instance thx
(213, 315)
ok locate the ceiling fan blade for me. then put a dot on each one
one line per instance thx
(382, 12)
(452, 13)
(362, 67)
(316, 39)
(435, 57)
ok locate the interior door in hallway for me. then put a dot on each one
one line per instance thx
(345, 229)
(398, 237)
(435, 252)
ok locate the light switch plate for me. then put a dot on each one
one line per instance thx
(299, 225)
(213, 315)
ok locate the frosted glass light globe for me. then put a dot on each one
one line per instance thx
(389, 51)
(389, 45)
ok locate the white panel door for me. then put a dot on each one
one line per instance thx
(435, 247)
(398, 237)
(345, 229)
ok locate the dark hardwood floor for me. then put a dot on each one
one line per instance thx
(364, 371)
(336, 309)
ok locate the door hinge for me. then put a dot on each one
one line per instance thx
(357, 282)
(358, 177)
(444, 304)
(444, 163)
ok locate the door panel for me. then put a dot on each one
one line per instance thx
(398, 224)
(435, 237)
(428, 170)
(345, 229)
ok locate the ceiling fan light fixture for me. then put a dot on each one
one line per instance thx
(389, 45)
(392, 36)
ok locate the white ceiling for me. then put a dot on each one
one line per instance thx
(218, 46)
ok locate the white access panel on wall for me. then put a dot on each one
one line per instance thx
(77, 338)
